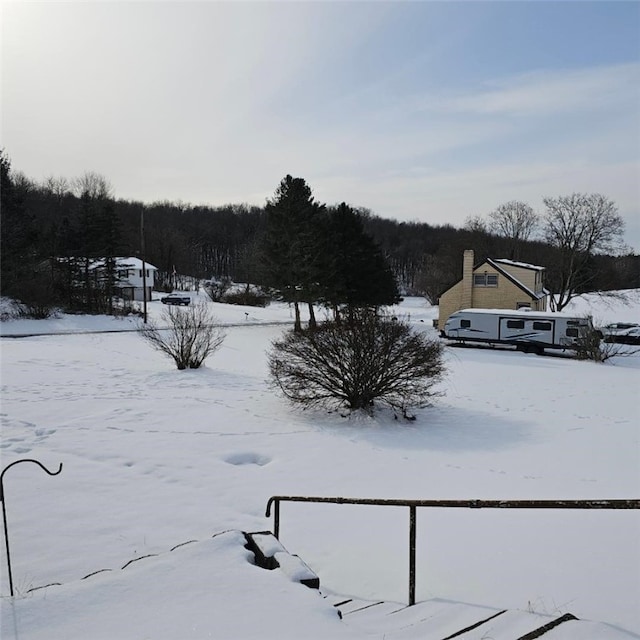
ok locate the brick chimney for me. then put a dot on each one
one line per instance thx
(466, 299)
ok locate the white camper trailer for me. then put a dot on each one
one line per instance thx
(530, 331)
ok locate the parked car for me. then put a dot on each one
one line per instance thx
(621, 332)
(176, 298)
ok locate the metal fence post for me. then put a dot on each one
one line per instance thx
(412, 555)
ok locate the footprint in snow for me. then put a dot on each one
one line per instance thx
(240, 459)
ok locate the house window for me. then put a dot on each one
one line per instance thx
(542, 326)
(485, 279)
(465, 324)
(515, 324)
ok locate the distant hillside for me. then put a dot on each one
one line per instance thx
(612, 306)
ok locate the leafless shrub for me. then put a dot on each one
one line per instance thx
(250, 296)
(590, 345)
(191, 336)
(37, 298)
(217, 288)
(371, 359)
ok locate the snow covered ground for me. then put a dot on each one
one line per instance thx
(154, 457)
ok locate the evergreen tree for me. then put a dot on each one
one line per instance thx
(355, 272)
(290, 253)
(66, 263)
(100, 240)
(110, 246)
(18, 233)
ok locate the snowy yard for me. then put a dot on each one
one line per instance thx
(154, 457)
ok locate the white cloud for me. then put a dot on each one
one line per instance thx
(545, 92)
(215, 102)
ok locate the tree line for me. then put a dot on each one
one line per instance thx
(52, 230)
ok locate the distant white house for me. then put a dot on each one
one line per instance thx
(131, 279)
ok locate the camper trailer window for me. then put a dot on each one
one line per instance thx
(573, 323)
(572, 332)
(515, 324)
(465, 324)
(542, 326)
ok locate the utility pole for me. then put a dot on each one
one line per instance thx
(144, 268)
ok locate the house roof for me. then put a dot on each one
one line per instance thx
(523, 265)
(496, 265)
(125, 263)
(134, 263)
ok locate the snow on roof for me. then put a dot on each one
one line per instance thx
(517, 312)
(122, 263)
(134, 263)
(514, 263)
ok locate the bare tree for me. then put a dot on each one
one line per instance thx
(23, 183)
(93, 186)
(191, 336)
(515, 221)
(475, 224)
(436, 275)
(579, 226)
(372, 358)
(57, 188)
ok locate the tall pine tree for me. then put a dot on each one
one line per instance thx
(18, 234)
(290, 253)
(355, 272)
(100, 239)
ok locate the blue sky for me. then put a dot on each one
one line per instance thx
(429, 111)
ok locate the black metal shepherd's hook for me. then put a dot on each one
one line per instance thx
(4, 510)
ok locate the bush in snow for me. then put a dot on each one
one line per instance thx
(37, 298)
(191, 336)
(216, 289)
(590, 345)
(249, 296)
(373, 358)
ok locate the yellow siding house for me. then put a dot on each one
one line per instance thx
(494, 284)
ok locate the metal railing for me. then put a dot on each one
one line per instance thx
(468, 504)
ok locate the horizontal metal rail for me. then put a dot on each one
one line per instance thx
(465, 504)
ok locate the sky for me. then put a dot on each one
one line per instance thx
(154, 457)
(419, 111)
